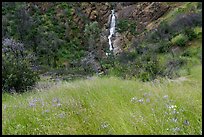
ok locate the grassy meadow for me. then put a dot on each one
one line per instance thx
(108, 105)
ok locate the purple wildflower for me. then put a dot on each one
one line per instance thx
(62, 115)
(31, 104)
(47, 111)
(186, 122)
(148, 100)
(56, 100)
(166, 96)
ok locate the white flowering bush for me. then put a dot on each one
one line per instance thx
(17, 74)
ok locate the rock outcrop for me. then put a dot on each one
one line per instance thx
(142, 13)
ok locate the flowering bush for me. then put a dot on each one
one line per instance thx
(17, 74)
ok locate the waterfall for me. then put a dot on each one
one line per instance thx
(112, 29)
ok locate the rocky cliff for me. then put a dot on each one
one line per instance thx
(141, 13)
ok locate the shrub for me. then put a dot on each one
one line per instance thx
(191, 52)
(172, 66)
(143, 64)
(182, 21)
(16, 71)
(163, 46)
(179, 40)
(126, 25)
(122, 26)
(163, 31)
(190, 33)
(91, 36)
(144, 76)
(166, 30)
(198, 32)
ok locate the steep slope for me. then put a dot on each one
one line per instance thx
(74, 35)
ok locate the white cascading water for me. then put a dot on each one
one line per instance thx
(112, 29)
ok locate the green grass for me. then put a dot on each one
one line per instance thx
(108, 105)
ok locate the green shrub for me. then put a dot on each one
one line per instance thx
(144, 76)
(198, 32)
(17, 74)
(191, 52)
(126, 25)
(144, 66)
(179, 40)
(122, 25)
(163, 46)
(190, 33)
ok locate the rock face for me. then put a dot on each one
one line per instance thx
(142, 13)
(91, 11)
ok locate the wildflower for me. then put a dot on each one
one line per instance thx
(176, 129)
(175, 112)
(104, 125)
(186, 122)
(174, 120)
(58, 104)
(141, 100)
(148, 100)
(171, 106)
(61, 115)
(56, 100)
(31, 104)
(35, 100)
(133, 99)
(166, 96)
(152, 109)
(47, 111)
